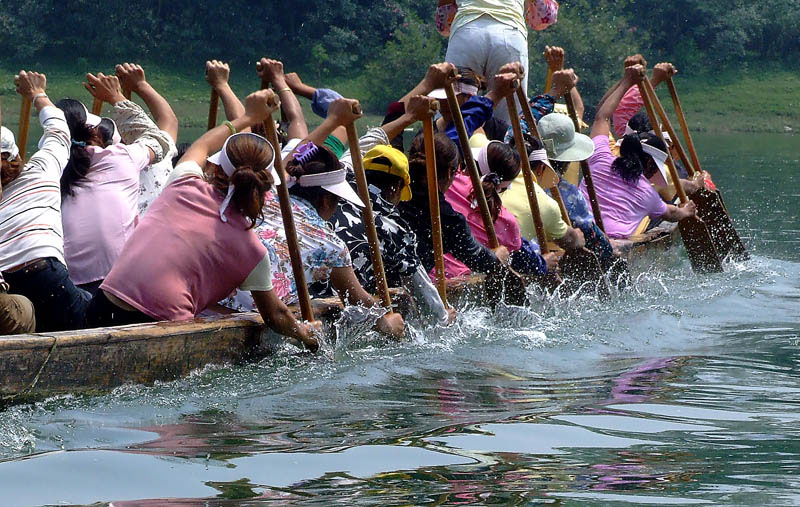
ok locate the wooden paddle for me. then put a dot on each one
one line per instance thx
(696, 237)
(298, 270)
(506, 281)
(433, 202)
(710, 205)
(213, 107)
(585, 169)
(97, 106)
(577, 265)
(24, 125)
(366, 214)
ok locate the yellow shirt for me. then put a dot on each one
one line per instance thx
(515, 199)
(508, 12)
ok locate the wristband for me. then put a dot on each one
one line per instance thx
(230, 126)
(38, 96)
(287, 89)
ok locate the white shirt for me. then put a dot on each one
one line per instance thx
(30, 209)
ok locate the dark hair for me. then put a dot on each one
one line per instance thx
(504, 162)
(532, 144)
(447, 161)
(323, 161)
(250, 155)
(79, 162)
(181, 151)
(470, 77)
(106, 131)
(640, 122)
(384, 181)
(633, 161)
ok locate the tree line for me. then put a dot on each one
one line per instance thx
(379, 47)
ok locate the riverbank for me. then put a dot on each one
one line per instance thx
(722, 102)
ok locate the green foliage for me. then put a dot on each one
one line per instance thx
(401, 64)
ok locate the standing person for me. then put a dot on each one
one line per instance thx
(487, 34)
(100, 185)
(31, 236)
(196, 244)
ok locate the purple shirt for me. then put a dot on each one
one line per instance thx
(622, 204)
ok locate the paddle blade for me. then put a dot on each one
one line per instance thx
(712, 211)
(700, 246)
(581, 267)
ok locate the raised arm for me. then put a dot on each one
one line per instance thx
(258, 105)
(416, 110)
(132, 79)
(54, 147)
(602, 126)
(217, 75)
(340, 113)
(436, 77)
(272, 71)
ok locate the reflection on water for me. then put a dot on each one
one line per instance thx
(684, 391)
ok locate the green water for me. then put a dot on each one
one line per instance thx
(684, 391)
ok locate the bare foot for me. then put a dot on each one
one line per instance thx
(298, 87)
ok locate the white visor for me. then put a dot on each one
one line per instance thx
(334, 182)
(92, 120)
(458, 87)
(8, 144)
(221, 159)
(629, 131)
(660, 158)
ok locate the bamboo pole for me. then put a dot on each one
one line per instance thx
(367, 216)
(474, 174)
(97, 106)
(433, 201)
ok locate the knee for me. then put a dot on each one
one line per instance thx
(16, 315)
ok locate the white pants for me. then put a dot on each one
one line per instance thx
(485, 45)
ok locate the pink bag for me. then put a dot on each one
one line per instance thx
(539, 14)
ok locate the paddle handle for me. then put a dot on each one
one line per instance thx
(474, 175)
(585, 169)
(433, 201)
(648, 104)
(368, 218)
(303, 296)
(213, 107)
(97, 106)
(684, 126)
(24, 125)
(668, 125)
(527, 175)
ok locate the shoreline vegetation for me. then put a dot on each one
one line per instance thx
(725, 102)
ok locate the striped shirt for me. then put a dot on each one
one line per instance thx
(30, 209)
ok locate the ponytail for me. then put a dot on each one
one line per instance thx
(632, 162)
(77, 167)
(249, 190)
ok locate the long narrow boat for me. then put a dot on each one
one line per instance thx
(91, 361)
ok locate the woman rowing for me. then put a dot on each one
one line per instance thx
(499, 165)
(196, 243)
(623, 190)
(317, 184)
(100, 185)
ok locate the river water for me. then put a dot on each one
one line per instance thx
(684, 391)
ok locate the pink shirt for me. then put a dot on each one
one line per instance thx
(100, 217)
(506, 226)
(622, 204)
(182, 257)
(630, 104)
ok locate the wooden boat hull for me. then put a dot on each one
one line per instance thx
(95, 360)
